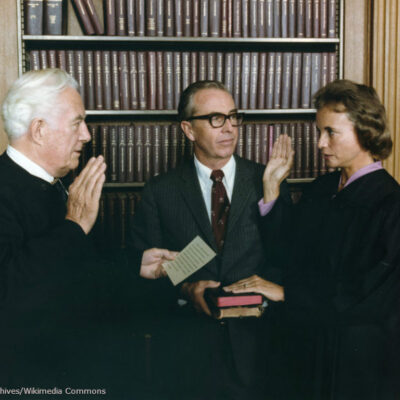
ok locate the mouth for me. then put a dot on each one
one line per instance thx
(226, 142)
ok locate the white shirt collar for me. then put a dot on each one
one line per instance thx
(28, 165)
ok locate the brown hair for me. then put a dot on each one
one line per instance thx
(364, 109)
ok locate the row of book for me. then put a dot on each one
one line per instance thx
(137, 152)
(189, 18)
(153, 80)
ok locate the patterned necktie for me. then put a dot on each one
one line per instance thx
(219, 208)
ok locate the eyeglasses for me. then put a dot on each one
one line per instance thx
(217, 120)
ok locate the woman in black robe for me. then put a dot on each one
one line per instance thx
(339, 250)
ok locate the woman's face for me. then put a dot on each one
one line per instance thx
(338, 141)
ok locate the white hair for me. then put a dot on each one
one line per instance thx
(33, 95)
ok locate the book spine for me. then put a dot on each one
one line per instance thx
(130, 153)
(152, 80)
(43, 61)
(316, 18)
(178, 18)
(160, 80)
(271, 131)
(240, 145)
(139, 153)
(254, 79)
(229, 32)
(315, 72)
(156, 150)
(203, 18)
(228, 71)
(314, 149)
(306, 80)
(331, 18)
(33, 17)
(52, 58)
(70, 63)
(196, 18)
(284, 18)
(173, 155)
(115, 80)
(121, 23)
(269, 18)
(187, 18)
(122, 138)
(52, 17)
(257, 143)
(270, 82)
(89, 78)
(278, 80)
(130, 17)
(286, 79)
(123, 69)
(98, 80)
(107, 83)
(169, 18)
(185, 69)
(104, 131)
(80, 73)
(224, 18)
(277, 18)
(142, 79)
(165, 147)
(332, 67)
(253, 18)
(308, 23)
(237, 72)
(168, 85)
(296, 80)
(298, 150)
(94, 18)
(323, 19)
(140, 17)
(160, 18)
(211, 61)
(245, 18)
(306, 150)
(93, 129)
(83, 17)
(292, 135)
(292, 19)
(113, 132)
(244, 98)
(249, 148)
(215, 17)
(133, 81)
(264, 144)
(324, 68)
(202, 65)
(261, 23)
(62, 60)
(236, 18)
(219, 69)
(193, 66)
(262, 73)
(177, 61)
(300, 18)
(151, 13)
(110, 17)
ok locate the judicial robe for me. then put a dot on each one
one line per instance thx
(341, 255)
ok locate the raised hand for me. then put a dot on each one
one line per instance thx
(84, 194)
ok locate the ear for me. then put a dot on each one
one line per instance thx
(186, 127)
(37, 131)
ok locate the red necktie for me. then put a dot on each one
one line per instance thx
(219, 208)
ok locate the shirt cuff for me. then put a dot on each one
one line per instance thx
(265, 208)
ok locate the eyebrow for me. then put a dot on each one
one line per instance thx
(79, 118)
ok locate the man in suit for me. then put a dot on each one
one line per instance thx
(222, 358)
(54, 291)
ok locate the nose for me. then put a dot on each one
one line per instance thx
(84, 133)
(227, 127)
(323, 140)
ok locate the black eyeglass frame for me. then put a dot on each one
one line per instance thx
(239, 117)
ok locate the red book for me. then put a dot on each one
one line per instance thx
(220, 299)
(203, 18)
(109, 14)
(94, 18)
(52, 17)
(130, 153)
(83, 17)
(130, 17)
(123, 69)
(152, 80)
(115, 81)
(178, 18)
(215, 17)
(160, 18)
(133, 80)
(33, 17)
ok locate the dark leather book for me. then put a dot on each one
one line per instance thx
(142, 79)
(257, 143)
(130, 153)
(121, 22)
(61, 59)
(229, 28)
(52, 58)
(277, 18)
(98, 80)
(80, 69)
(44, 63)
(260, 18)
(219, 67)
(215, 18)
(196, 18)
(306, 166)
(308, 22)
(194, 66)
(94, 142)
(169, 18)
(202, 66)
(237, 77)
(269, 18)
(306, 81)
(264, 144)
(160, 18)
(122, 139)
(332, 72)
(287, 73)
(130, 18)
(211, 65)
(147, 152)
(245, 81)
(151, 13)
(237, 18)
(123, 72)
(83, 17)
(152, 80)
(298, 150)
(240, 141)
(113, 152)
(133, 81)
(168, 81)
(89, 79)
(228, 71)
(165, 147)
(187, 18)
(300, 29)
(104, 141)
(323, 27)
(224, 18)
(177, 76)
(94, 17)
(278, 80)
(253, 20)
(203, 18)
(292, 19)
(245, 18)
(253, 89)
(33, 17)
(270, 80)
(249, 142)
(324, 68)
(53, 17)
(110, 17)
(296, 80)
(139, 153)
(292, 135)
(316, 18)
(314, 150)
(160, 80)
(173, 153)
(331, 18)
(284, 18)
(185, 69)
(70, 63)
(178, 17)
(156, 149)
(140, 22)
(315, 73)
(116, 105)
(34, 60)
(106, 79)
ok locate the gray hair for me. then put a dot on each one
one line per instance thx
(33, 95)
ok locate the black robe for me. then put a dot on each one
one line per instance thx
(341, 256)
